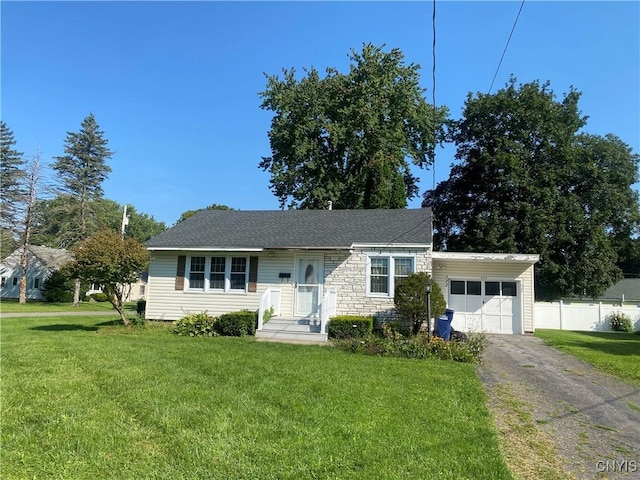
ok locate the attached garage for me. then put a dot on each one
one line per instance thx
(489, 292)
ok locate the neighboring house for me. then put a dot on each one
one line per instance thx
(137, 291)
(625, 292)
(315, 263)
(41, 263)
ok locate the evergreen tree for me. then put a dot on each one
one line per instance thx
(12, 174)
(82, 170)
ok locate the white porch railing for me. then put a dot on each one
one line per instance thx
(327, 309)
(270, 298)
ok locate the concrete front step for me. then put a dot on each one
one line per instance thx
(284, 337)
(291, 331)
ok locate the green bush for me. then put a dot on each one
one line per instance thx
(268, 314)
(139, 320)
(237, 324)
(393, 326)
(195, 325)
(350, 326)
(58, 288)
(393, 344)
(99, 297)
(410, 299)
(620, 322)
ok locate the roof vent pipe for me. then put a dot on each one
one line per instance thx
(330, 205)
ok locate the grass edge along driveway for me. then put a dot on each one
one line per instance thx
(84, 399)
(616, 353)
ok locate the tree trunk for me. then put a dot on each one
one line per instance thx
(23, 274)
(118, 304)
(76, 293)
(32, 191)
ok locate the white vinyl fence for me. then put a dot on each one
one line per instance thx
(565, 315)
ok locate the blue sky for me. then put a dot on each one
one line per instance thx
(174, 85)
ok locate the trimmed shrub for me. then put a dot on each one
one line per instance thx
(350, 326)
(237, 324)
(620, 322)
(99, 297)
(410, 299)
(195, 325)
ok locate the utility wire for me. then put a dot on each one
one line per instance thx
(433, 95)
(506, 46)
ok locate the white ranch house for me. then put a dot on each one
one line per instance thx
(312, 264)
(41, 263)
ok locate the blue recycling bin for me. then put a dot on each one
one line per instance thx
(443, 324)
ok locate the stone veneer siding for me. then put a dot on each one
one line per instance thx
(346, 274)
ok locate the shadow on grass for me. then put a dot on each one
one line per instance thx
(109, 323)
(612, 343)
(67, 327)
(64, 327)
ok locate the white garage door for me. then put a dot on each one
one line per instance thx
(491, 306)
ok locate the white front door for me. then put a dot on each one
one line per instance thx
(308, 285)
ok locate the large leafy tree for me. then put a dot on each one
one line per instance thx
(82, 170)
(113, 262)
(55, 221)
(528, 181)
(191, 213)
(12, 174)
(350, 138)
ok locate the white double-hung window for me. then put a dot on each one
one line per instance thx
(384, 272)
(218, 273)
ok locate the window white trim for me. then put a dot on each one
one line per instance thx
(227, 274)
(391, 258)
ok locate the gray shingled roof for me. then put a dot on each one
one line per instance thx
(629, 287)
(333, 229)
(51, 258)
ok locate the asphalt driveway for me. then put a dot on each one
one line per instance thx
(592, 418)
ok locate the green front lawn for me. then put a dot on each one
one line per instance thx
(36, 306)
(613, 352)
(82, 398)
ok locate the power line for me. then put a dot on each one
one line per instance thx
(506, 46)
(433, 94)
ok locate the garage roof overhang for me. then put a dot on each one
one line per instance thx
(529, 259)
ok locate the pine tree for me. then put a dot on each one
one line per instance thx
(12, 193)
(83, 169)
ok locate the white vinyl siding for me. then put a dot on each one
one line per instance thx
(344, 273)
(164, 302)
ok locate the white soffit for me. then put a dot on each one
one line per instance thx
(486, 257)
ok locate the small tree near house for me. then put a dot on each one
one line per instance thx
(113, 262)
(410, 298)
